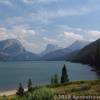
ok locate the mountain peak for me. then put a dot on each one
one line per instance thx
(79, 44)
(11, 41)
(60, 54)
(50, 48)
(12, 49)
(11, 46)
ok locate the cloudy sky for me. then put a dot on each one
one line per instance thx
(37, 23)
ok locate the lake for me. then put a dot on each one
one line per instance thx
(12, 73)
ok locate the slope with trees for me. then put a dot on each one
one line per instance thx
(90, 54)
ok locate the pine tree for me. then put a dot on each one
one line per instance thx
(64, 77)
(52, 80)
(56, 79)
(20, 91)
(30, 85)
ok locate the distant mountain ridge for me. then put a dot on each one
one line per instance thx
(61, 54)
(12, 50)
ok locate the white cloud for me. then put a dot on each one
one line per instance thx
(50, 40)
(65, 28)
(22, 33)
(46, 16)
(38, 1)
(27, 1)
(48, 1)
(95, 33)
(92, 35)
(72, 33)
(30, 46)
(73, 36)
(88, 35)
(3, 34)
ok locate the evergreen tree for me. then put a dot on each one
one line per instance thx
(64, 77)
(30, 85)
(20, 91)
(56, 79)
(52, 80)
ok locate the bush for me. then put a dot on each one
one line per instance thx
(42, 94)
(4, 98)
(82, 82)
(20, 91)
(38, 94)
(54, 80)
(30, 88)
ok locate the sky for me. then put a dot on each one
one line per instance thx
(37, 23)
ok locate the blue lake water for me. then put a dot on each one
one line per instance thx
(12, 73)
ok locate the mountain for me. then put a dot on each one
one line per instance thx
(90, 54)
(12, 49)
(50, 48)
(62, 53)
(79, 44)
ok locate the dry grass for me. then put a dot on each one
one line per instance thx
(77, 88)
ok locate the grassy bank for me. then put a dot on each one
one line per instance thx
(77, 88)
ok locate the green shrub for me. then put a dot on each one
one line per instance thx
(20, 91)
(30, 88)
(54, 80)
(4, 98)
(82, 82)
(42, 94)
(38, 94)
